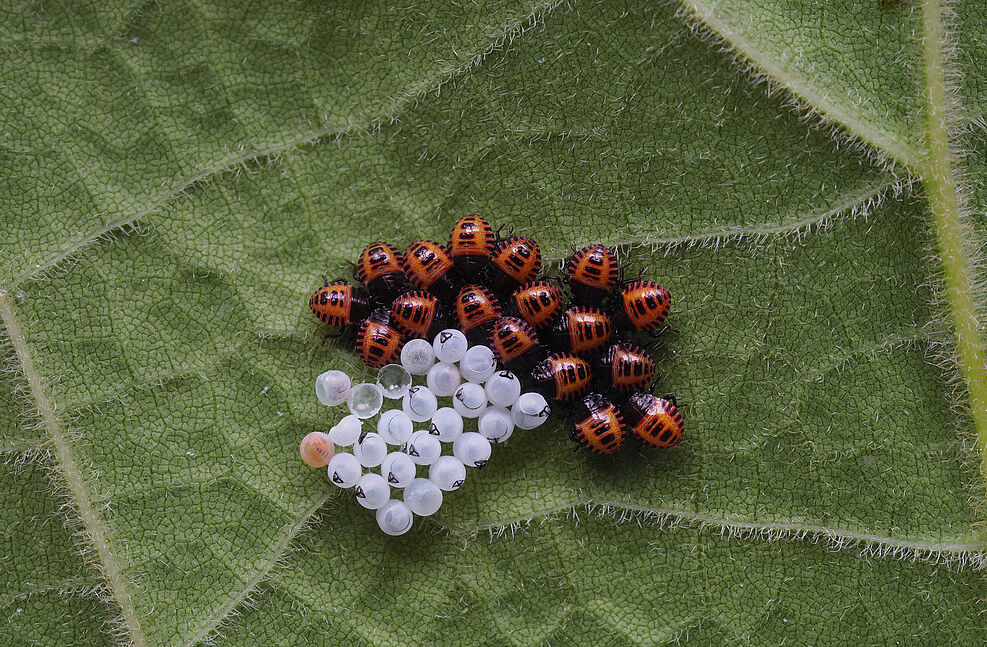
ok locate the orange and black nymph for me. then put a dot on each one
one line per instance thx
(471, 243)
(655, 421)
(562, 376)
(417, 314)
(538, 303)
(592, 272)
(582, 330)
(599, 425)
(515, 261)
(475, 307)
(642, 305)
(381, 269)
(428, 266)
(378, 343)
(515, 343)
(338, 303)
(625, 367)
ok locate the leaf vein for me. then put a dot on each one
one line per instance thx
(969, 547)
(111, 564)
(799, 87)
(260, 576)
(397, 107)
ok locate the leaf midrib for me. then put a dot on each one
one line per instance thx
(944, 200)
(110, 564)
(933, 166)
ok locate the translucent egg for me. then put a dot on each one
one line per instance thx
(370, 449)
(332, 388)
(443, 379)
(503, 389)
(472, 449)
(316, 449)
(394, 381)
(448, 472)
(372, 491)
(417, 356)
(423, 497)
(450, 345)
(470, 399)
(345, 432)
(495, 424)
(419, 403)
(424, 448)
(365, 400)
(344, 470)
(478, 364)
(395, 518)
(530, 411)
(446, 424)
(398, 469)
(395, 427)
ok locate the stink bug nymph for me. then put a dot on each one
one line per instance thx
(592, 272)
(625, 367)
(655, 421)
(642, 305)
(381, 269)
(471, 243)
(378, 343)
(475, 307)
(515, 261)
(417, 315)
(582, 330)
(562, 376)
(599, 425)
(514, 343)
(338, 303)
(538, 303)
(429, 267)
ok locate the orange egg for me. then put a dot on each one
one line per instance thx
(316, 449)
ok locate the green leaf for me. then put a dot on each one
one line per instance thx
(175, 178)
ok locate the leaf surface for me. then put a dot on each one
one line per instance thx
(175, 178)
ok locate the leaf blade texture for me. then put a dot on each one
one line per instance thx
(176, 177)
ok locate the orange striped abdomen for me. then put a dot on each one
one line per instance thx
(471, 242)
(538, 303)
(378, 259)
(515, 261)
(413, 313)
(627, 366)
(378, 343)
(645, 305)
(562, 376)
(583, 330)
(332, 303)
(656, 421)
(602, 431)
(592, 270)
(426, 263)
(511, 338)
(475, 307)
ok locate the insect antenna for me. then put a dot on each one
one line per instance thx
(663, 330)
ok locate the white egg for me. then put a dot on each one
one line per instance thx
(450, 345)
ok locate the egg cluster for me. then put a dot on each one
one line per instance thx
(575, 338)
(377, 463)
